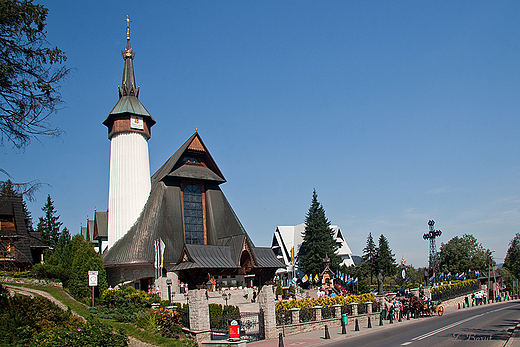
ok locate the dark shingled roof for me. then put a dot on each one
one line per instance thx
(12, 207)
(162, 218)
(101, 227)
(206, 257)
(176, 160)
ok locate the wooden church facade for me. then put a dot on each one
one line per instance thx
(188, 211)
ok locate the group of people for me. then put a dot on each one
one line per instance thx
(183, 288)
(323, 293)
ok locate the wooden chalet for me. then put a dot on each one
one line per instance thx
(19, 248)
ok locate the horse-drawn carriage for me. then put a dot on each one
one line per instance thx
(420, 307)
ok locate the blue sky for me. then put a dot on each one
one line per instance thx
(395, 112)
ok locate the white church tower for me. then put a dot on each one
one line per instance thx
(129, 125)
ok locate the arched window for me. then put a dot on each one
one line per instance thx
(193, 215)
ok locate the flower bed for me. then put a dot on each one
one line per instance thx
(324, 302)
(458, 288)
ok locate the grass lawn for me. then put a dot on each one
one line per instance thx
(129, 329)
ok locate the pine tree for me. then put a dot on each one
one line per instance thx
(49, 225)
(385, 260)
(318, 240)
(369, 257)
(512, 260)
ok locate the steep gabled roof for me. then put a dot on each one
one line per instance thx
(205, 257)
(12, 206)
(175, 167)
(101, 227)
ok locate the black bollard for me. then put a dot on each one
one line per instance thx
(280, 340)
(327, 335)
(357, 326)
(343, 328)
(391, 317)
(369, 326)
(459, 305)
(408, 315)
(400, 318)
(380, 320)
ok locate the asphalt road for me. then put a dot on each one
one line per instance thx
(479, 326)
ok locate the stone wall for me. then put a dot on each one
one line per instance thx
(32, 281)
(293, 329)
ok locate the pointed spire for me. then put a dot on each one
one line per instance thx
(128, 86)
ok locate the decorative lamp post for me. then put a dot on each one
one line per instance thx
(431, 235)
(169, 284)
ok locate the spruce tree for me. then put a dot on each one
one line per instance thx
(369, 257)
(512, 260)
(49, 225)
(318, 240)
(385, 260)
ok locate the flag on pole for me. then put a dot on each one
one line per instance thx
(448, 276)
(305, 278)
(162, 253)
(155, 254)
(432, 279)
(316, 278)
(356, 281)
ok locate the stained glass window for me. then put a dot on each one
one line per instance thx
(193, 215)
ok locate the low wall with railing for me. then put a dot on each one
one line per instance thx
(296, 320)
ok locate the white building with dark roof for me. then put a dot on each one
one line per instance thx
(287, 241)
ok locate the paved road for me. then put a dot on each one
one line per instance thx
(489, 325)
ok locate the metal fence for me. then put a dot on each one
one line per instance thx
(307, 315)
(328, 312)
(249, 326)
(283, 317)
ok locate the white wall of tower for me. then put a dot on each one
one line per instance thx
(129, 182)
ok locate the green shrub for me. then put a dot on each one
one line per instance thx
(37, 321)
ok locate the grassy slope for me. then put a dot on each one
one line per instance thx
(83, 311)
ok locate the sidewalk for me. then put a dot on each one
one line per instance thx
(317, 337)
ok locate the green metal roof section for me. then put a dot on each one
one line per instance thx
(128, 92)
(130, 104)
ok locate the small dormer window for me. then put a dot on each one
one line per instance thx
(191, 160)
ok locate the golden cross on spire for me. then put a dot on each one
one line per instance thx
(127, 27)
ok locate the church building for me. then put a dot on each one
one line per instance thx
(184, 209)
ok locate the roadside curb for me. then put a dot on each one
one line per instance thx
(514, 337)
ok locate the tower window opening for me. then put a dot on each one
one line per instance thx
(191, 160)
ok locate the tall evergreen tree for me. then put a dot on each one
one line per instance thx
(318, 240)
(369, 257)
(49, 225)
(512, 260)
(385, 260)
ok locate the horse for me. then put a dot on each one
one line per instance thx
(419, 306)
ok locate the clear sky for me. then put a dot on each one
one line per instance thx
(395, 112)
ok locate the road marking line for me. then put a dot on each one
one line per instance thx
(431, 333)
(406, 343)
